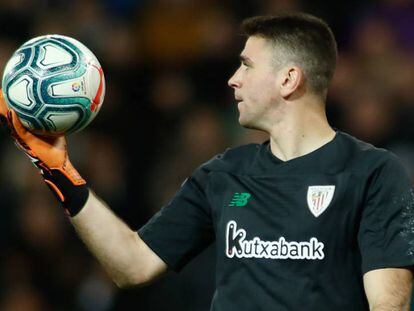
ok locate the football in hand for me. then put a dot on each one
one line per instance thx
(55, 84)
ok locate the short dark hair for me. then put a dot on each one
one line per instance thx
(305, 39)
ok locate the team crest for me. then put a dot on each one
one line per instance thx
(319, 198)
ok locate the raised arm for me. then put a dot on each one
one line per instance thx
(388, 289)
(127, 259)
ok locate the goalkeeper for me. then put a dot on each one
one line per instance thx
(312, 219)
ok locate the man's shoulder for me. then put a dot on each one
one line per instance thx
(363, 155)
(236, 160)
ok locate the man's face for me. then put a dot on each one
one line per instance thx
(255, 84)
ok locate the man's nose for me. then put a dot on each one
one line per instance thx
(234, 81)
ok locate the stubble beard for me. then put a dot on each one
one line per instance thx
(250, 123)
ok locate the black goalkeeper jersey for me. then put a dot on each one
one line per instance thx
(294, 235)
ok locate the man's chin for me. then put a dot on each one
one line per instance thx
(250, 124)
(247, 124)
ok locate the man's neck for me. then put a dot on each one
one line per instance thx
(300, 134)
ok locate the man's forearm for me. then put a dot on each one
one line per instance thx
(122, 253)
(392, 307)
(389, 289)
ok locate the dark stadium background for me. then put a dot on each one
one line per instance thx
(167, 110)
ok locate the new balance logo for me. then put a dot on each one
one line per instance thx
(240, 199)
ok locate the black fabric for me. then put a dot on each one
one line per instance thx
(291, 235)
(386, 234)
(75, 197)
(189, 216)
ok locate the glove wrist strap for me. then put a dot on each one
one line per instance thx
(71, 192)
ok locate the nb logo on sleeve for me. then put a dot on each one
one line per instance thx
(237, 245)
(240, 199)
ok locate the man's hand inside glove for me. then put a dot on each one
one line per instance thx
(50, 156)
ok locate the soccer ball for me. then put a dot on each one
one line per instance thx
(55, 84)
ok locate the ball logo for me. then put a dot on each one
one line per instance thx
(76, 87)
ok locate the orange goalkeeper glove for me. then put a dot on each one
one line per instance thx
(49, 155)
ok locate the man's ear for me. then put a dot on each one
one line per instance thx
(291, 79)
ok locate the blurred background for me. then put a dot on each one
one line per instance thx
(167, 110)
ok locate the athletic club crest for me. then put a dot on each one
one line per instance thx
(319, 198)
